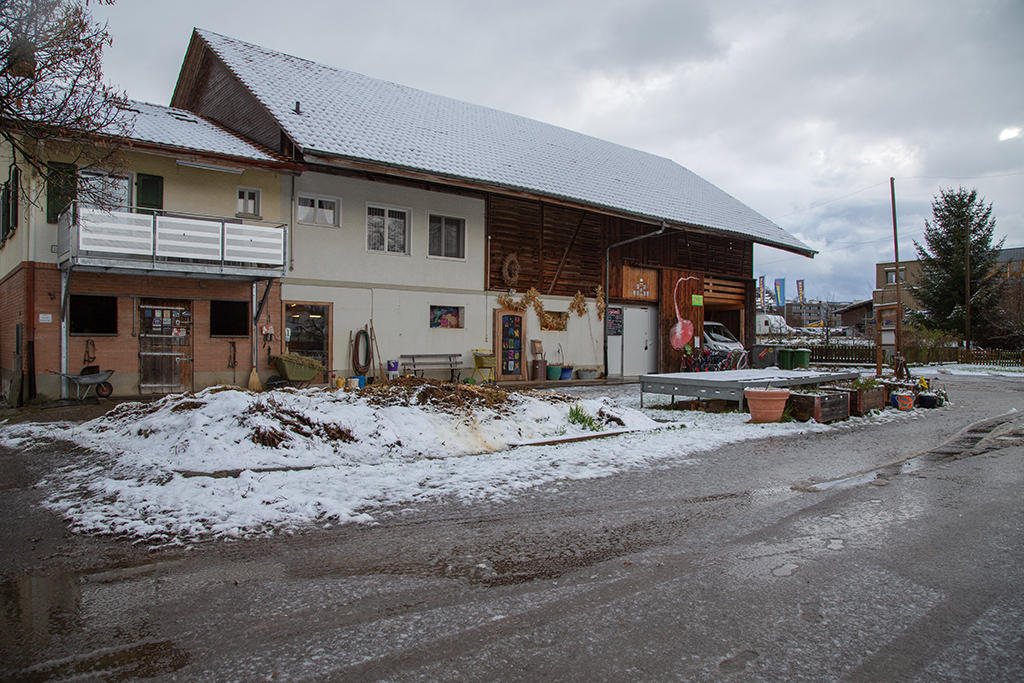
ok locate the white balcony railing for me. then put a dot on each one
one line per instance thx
(170, 242)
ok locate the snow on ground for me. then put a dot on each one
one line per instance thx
(228, 462)
(963, 369)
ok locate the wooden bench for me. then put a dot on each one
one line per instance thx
(417, 363)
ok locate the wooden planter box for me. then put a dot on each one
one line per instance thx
(820, 407)
(863, 401)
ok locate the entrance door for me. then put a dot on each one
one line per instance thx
(165, 346)
(639, 340)
(307, 331)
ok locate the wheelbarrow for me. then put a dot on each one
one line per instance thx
(89, 378)
(294, 371)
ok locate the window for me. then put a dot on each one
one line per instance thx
(447, 237)
(93, 314)
(149, 192)
(104, 190)
(248, 202)
(387, 229)
(446, 316)
(890, 276)
(229, 318)
(319, 210)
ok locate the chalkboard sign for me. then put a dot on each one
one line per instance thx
(509, 335)
(613, 318)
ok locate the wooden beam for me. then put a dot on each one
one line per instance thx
(565, 255)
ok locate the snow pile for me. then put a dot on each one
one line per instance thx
(231, 462)
(228, 463)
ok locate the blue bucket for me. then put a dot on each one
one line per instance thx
(361, 378)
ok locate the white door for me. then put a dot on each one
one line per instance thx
(639, 340)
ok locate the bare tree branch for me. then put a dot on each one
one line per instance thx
(53, 99)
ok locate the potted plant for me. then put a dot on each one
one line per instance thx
(766, 404)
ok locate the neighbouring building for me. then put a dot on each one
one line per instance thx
(1009, 266)
(858, 317)
(814, 313)
(425, 217)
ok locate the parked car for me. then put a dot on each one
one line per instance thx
(717, 337)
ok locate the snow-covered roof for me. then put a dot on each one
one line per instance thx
(181, 129)
(349, 115)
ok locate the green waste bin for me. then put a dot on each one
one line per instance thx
(785, 358)
(802, 358)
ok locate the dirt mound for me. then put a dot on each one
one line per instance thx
(446, 396)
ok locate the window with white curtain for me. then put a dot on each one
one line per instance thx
(447, 237)
(318, 210)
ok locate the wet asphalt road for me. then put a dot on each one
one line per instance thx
(730, 565)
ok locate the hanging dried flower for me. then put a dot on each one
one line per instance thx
(601, 303)
(579, 304)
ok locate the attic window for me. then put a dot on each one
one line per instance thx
(182, 117)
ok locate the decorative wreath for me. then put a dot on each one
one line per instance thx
(510, 269)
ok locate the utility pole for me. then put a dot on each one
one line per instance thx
(967, 287)
(896, 253)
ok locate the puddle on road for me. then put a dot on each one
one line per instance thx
(41, 611)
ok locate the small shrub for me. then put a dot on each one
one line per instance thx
(579, 415)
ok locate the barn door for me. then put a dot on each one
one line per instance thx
(681, 291)
(165, 346)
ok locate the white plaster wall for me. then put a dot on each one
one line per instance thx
(339, 254)
(401, 320)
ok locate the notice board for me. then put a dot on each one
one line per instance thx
(510, 345)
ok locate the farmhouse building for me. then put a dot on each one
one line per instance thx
(434, 219)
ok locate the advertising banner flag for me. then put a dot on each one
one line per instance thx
(800, 290)
(780, 291)
(760, 292)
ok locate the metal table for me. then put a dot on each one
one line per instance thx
(729, 384)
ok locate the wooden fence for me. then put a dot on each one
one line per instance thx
(835, 353)
(1003, 359)
(843, 353)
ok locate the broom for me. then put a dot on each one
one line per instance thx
(254, 377)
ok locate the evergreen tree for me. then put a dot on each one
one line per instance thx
(956, 216)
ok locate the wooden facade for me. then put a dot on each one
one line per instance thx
(207, 87)
(561, 250)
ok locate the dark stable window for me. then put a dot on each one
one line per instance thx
(93, 314)
(229, 318)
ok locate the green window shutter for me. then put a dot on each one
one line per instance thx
(5, 212)
(14, 199)
(149, 192)
(60, 189)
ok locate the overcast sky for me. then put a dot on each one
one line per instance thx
(802, 110)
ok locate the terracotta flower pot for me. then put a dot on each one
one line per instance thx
(766, 404)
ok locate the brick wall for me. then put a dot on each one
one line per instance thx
(12, 313)
(119, 352)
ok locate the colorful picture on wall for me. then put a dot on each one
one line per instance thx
(446, 316)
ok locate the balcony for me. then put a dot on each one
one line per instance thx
(169, 243)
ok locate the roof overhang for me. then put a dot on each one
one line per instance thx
(328, 159)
